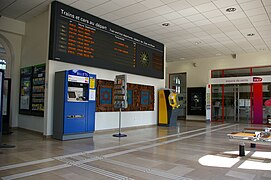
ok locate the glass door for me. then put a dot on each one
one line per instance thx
(230, 103)
(217, 101)
(244, 103)
(237, 103)
(178, 83)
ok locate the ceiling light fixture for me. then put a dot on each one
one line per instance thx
(165, 24)
(251, 34)
(182, 58)
(231, 9)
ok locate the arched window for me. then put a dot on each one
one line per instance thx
(5, 54)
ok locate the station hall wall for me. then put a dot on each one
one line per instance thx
(33, 50)
(12, 31)
(199, 76)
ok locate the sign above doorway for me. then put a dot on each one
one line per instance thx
(240, 80)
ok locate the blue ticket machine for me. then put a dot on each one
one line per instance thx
(74, 105)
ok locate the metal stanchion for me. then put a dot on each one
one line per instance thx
(119, 134)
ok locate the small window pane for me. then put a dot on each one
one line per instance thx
(217, 74)
(261, 71)
(237, 72)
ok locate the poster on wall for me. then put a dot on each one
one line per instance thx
(32, 89)
(38, 86)
(196, 101)
(139, 97)
(25, 89)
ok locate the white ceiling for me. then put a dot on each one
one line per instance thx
(198, 28)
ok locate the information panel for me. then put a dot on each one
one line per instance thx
(25, 89)
(32, 85)
(38, 86)
(80, 38)
(196, 101)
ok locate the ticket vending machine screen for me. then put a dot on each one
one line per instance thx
(71, 95)
(77, 92)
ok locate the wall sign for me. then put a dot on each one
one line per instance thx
(80, 38)
(241, 80)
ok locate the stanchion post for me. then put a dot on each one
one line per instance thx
(120, 98)
(242, 149)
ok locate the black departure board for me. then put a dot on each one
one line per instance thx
(80, 38)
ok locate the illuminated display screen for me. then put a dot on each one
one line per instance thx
(80, 38)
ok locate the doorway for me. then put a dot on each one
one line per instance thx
(232, 103)
(241, 95)
(177, 82)
(237, 102)
(6, 55)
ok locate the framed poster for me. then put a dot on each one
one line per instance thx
(130, 97)
(139, 97)
(32, 90)
(105, 96)
(145, 98)
(196, 101)
(25, 90)
(38, 88)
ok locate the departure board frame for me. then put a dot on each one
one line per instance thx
(81, 38)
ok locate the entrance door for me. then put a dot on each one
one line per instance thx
(6, 106)
(237, 102)
(178, 83)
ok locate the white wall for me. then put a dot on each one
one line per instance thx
(34, 51)
(199, 76)
(34, 45)
(12, 26)
(12, 31)
(103, 120)
(106, 120)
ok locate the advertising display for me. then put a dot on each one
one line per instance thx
(208, 102)
(25, 88)
(38, 85)
(80, 38)
(32, 85)
(196, 101)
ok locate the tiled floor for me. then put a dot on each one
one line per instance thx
(192, 150)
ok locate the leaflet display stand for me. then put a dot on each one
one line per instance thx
(120, 98)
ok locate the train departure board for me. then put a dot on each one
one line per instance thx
(80, 38)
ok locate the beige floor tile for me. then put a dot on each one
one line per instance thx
(147, 153)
